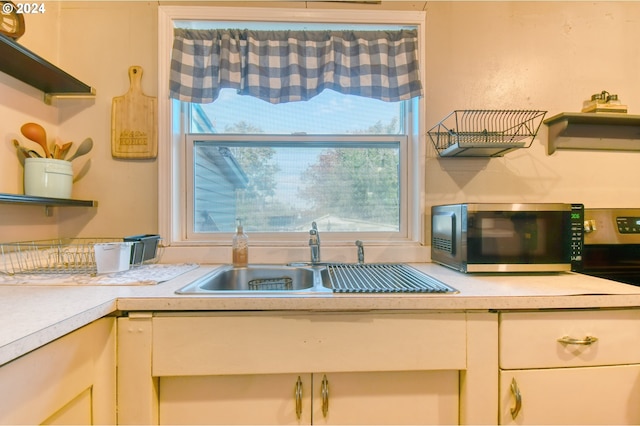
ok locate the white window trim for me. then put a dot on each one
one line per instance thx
(171, 182)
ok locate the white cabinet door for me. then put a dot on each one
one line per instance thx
(71, 380)
(572, 396)
(268, 399)
(386, 398)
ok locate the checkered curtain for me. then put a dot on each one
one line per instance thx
(287, 66)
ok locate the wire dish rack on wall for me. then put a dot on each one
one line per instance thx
(485, 133)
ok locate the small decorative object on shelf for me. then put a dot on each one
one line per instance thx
(11, 20)
(47, 170)
(604, 102)
(485, 133)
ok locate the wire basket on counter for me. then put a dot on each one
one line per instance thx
(485, 133)
(63, 255)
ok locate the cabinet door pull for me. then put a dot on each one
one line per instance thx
(588, 340)
(324, 390)
(298, 397)
(516, 394)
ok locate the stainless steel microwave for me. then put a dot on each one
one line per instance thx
(492, 237)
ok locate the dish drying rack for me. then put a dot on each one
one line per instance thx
(62, 256)
(485, 133)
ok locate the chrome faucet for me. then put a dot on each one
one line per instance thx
(360, 251)
(314, 243)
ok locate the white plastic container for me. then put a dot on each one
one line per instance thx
(48, 177)
(112, 257)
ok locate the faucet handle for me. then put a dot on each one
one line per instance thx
(360, 246)
(314, 232)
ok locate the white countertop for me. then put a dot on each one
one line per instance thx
(35, 315)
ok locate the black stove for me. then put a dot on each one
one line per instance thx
(612, 245)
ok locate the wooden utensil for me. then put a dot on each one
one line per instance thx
(60, 149)
(64, 148)
(134, 118)
(36, 133)
(83, 149)
(22, 152)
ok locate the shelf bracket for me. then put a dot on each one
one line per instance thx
(49, 98)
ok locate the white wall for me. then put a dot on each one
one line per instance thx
(95, 42)
(20, 103)
(523, 55)
(533, 55)
(100, 41)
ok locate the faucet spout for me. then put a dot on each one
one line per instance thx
(314, 243)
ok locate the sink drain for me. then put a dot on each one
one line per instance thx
(265, 284)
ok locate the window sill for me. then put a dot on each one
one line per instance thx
(409, 252)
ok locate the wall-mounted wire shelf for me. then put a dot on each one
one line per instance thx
(62, 255)
(485, 133)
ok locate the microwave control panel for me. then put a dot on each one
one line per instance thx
(628, 225)
(577, 236)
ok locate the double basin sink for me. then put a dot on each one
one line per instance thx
(315, 279)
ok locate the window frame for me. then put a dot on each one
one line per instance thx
(172, 150)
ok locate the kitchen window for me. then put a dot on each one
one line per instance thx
(350, 163)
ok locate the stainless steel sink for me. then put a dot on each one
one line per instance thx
(316, 279)
(258, 278)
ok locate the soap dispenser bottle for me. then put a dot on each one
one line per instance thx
(240, 247)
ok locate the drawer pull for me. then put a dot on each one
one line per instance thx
(588, 340)
(298, 397)
(516, 394)
(324, 390)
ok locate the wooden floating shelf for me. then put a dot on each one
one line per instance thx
(593, 131)
(24, 65)
(45, 201)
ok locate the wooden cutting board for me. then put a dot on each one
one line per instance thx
(134, 121)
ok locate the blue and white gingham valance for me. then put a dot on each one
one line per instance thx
(286, 66)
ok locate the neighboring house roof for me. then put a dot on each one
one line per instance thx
(201, 121)
(223, 158)
(231, 168)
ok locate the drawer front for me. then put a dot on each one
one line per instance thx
(569, 338)
(254, 343)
